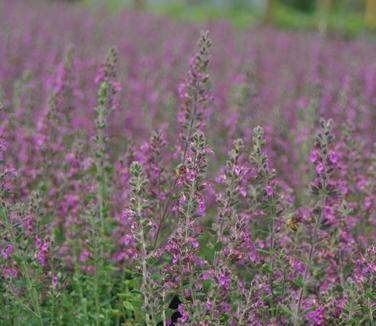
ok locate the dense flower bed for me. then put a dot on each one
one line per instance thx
(143, 191)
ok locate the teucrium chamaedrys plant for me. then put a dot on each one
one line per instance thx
(195, 97)
(322, 189)
(140, 226)
(107, 222)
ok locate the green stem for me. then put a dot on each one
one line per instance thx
(169, 199)
(313, 241)
(29, 284)
(149, 317)
(271, 256)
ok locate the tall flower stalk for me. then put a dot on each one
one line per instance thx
(108, 87)
(322, 188)
(140, 226)
(13, 238)
(195, 97)
(129, 227)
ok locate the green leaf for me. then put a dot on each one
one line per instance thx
(298, 281)
(129, 306)
(267, 268)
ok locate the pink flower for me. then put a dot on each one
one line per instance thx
(206, 275)
(237, 169)
(368, 202)
(175, 259)
(319, 168)
(243, 192)
(269, 190)
(314, 156)
(84, 255)
(8, 251)
(187, 293)
(10, 272)
(224, 281)
(184, 314)
(195, 243)
(201, 208)
(333, 156)
(316, 317)
(55, 281)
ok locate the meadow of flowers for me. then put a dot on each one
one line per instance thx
(150, 179)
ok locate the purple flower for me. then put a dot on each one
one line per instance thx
(55, 281)
(237, 170)
(8, 251)
(320, 168)
(333, 156)
(201, 208)
(195, 243)
(269, 190)
(206, 275)
(316, 317)
(85, 254)
(10, 272)
(187, 293)
(314, 156)
(224, 281)
(184, 314)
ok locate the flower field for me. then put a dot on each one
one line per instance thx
(155, 174)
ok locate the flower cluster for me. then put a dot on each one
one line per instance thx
(168, 203)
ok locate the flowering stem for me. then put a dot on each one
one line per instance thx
(246, 305)
(271, 256)
(149, 318)
(164, 318)
(169, 200)
(29, 284)
(313, 241)
(195, 86)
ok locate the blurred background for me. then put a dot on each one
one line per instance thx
(345, 16)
